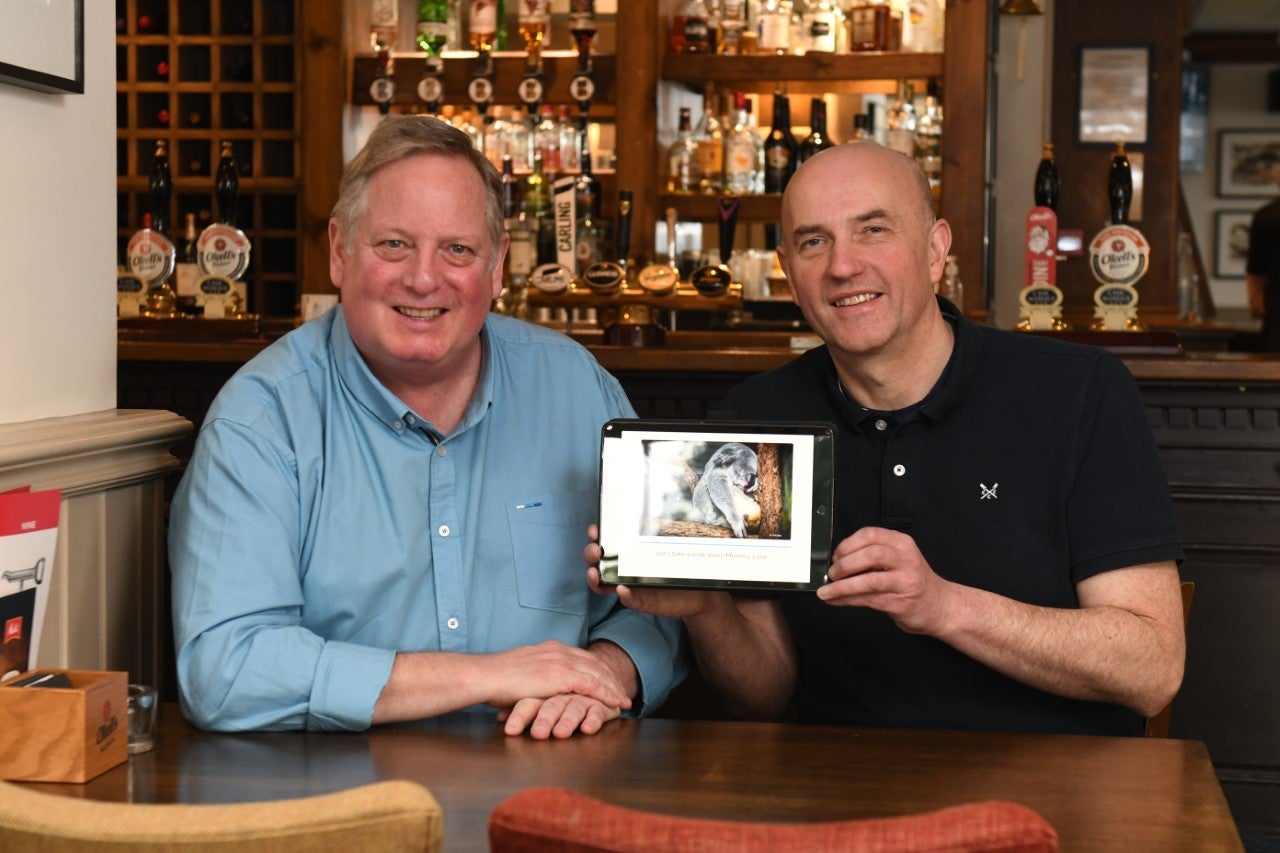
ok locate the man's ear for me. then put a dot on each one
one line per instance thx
(939, 247)
(337, 254)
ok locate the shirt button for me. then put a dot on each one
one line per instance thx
(443, 530)
(399, 425)
(452, 623)
(882, 424)
(440, 451)
(899, 470)
(409, 420)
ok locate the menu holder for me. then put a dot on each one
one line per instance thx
(63, 734)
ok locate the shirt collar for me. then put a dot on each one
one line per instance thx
(948, 389)
(387, 407)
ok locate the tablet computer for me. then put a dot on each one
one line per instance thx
(735, 505)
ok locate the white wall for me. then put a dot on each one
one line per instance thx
(1024, 65)
(57, 239)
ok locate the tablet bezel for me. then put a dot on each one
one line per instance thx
(621, 526)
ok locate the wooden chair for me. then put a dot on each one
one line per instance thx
(383, 816)
(542, 820)
(1158, 726)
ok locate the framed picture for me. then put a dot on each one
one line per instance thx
(1245, 163)
(42, 45)
(1231, 242)
(1114, 94)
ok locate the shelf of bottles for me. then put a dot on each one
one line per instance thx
(808, 57)
(193, 74)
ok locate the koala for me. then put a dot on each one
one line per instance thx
(722, 494)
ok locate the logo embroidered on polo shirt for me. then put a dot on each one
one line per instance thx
(988, 494)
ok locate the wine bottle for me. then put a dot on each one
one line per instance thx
(188, 272)
(161, 187)
(817, 140)
(1120, 186)
(779, 147)
(1047, 186)
(227, 184)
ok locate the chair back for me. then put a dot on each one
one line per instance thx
(541, 820)
(1158, 726)
(396, 816)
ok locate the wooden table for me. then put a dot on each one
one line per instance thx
(1099, 793)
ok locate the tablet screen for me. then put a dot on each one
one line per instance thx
(727, 505)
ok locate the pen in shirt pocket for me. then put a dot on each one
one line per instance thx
(529, 505)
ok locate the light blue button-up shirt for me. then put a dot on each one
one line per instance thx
(321, 526)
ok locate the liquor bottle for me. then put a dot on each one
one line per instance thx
(546, 140)
(537, 206)
(497, 137)
(862, 128)
(732, 24)
(929, 144)
(1120, 186)
(535, 27)
(483, 25)
(521, 140)
(682, 158)
(588, 231)
(160, 186)
(779, 147)
(384, 24)
(740, 151)
(586, 189)
(1047, 186)
(922, 27)
(869, 25)
(817, 140)
(433, 26)
(572, 139)
(520, 247)
(455, 39)
(227, 184)
(188, 273)
(691, 28)
(709, 137)
(901, 122)
(774, 25)
(819, 27)
(582, 26)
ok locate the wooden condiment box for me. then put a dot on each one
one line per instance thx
(64, 734)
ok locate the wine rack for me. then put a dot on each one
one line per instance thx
(194, 73)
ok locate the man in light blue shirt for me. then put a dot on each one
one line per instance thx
(383, 516)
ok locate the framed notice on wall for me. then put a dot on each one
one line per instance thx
(42, 44)
(1114, 94)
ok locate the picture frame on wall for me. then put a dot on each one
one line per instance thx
(42, 45)
(1244, 163)
(1114, 95)
(1231, 242)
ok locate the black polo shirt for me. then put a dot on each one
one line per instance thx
(1028, 468)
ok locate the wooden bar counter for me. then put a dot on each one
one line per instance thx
(1216, 420)
(1100, 794)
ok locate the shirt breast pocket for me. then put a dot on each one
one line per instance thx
(548, 532)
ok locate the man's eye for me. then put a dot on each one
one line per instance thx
(394, 245)
(458, 253)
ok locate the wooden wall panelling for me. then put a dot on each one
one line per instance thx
(1158, 25)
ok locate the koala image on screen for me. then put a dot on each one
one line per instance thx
(723, 494)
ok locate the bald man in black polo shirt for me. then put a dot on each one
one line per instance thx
(1007, 549)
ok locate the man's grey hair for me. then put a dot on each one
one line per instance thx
(400, 136)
